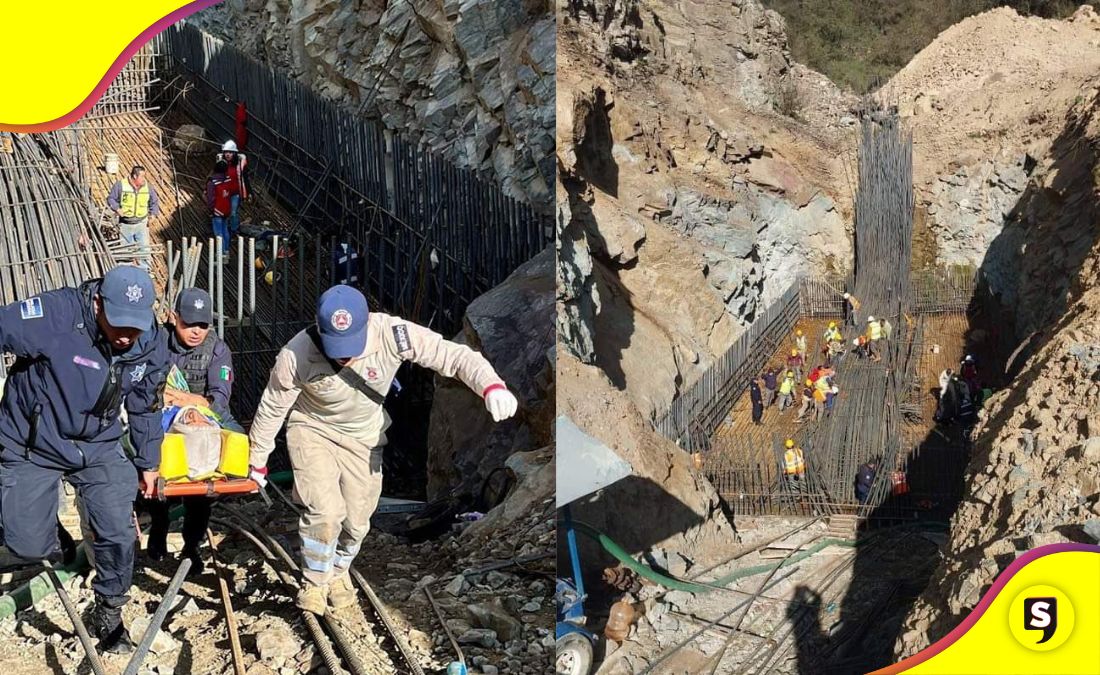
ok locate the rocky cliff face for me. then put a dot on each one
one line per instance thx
(985, 100)
(475, 79)
(1034, 477)
(701, 172)
(511, 326)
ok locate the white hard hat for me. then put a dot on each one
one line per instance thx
(847, 295)
(870, 319)
(229, 146)
(836, 390)
(856, 342)
(969, 357)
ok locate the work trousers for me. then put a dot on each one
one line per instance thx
(806, 403)
(785, 401)
(221, 229)
(819, 410)
(872, 349)
(769, 397)
(138, 235)
(234, 214)
(196, 518)
(339, 484)
(106, 488)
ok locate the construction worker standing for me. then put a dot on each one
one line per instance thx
(786, 392)
(794, 466)
(220, 190)
(807, 401)
(834, 344)
(794, 364)
(800, 342)
(770, 386)
(237, 172)
(865, 479)
(82, 354)
(133, 200)
(207, 364)
(874, 334)
(851, 310)
(757, 399)
(332, 379)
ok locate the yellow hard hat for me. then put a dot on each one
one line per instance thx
(790, 443)
(260, 264)
(798, 332)
(832, 324)
(790, 373)
(794, 352)
(269, 278)
(809, 382)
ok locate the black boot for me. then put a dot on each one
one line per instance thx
(108, 627)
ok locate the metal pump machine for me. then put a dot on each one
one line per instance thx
(584, 466)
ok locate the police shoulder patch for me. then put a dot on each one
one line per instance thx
(401, 338)
(31, 308)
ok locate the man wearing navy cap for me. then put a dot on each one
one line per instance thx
(82, 354)
(207, 364)
(332, 379)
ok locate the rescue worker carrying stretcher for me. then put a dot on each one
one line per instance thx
(207, 364)
(332, 380)
(82, 355)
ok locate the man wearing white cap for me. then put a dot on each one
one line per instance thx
(332, 380)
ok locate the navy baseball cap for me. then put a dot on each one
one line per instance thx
(193, 305)
(127, 295)
(342, 322)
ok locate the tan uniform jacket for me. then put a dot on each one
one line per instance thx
(303, 384)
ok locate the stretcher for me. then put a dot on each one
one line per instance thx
(229, 478)
(205, 488)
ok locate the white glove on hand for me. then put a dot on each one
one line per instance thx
(259, 475)
(501, 404)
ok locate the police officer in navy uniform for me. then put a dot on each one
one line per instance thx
(82, 355)
(207, 364)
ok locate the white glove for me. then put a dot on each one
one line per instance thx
(259, 475)
(501, 404)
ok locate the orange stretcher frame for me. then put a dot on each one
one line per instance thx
(205, 488)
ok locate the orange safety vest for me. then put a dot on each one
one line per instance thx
(794, 464)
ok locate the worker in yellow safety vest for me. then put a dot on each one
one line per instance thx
(133, 200)
(786, 392)
(874, 334)
(794, 466)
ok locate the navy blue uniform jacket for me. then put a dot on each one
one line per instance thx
(60, 407)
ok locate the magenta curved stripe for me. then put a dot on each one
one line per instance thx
(116, 67)
(987, 600)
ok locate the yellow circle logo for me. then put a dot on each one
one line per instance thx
(1041, 618)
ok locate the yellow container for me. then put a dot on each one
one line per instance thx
(173, 457)
(234, 462)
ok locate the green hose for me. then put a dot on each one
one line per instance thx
(39, 586)
(656, 577)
